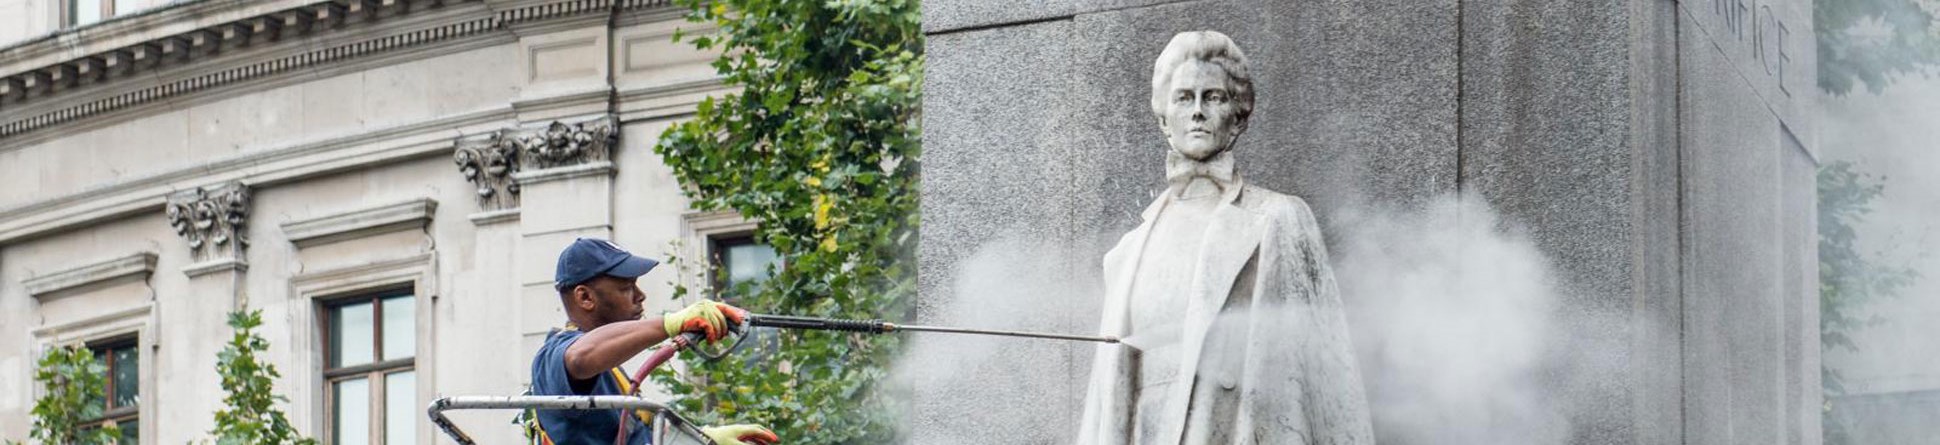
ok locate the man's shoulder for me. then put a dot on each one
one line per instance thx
(553, 348)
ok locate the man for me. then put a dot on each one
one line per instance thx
(598, 283)
(1223, 290)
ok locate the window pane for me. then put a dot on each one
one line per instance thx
(85, 11)
(100, 358)
(401, 409)
(126, 376)
(350, 335)
(125, 7)
(130, 431)
(352, 416)
(400, 327)
(747, 262)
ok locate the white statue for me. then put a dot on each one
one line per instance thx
(1224, 290)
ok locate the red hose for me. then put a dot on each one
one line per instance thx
(659, 357)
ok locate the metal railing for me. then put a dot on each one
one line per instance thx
(668, 427)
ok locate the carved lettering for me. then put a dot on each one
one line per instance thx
(1769, 35)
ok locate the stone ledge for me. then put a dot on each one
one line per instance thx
(666, 100)
(495, 216)
(261, 167)
(601, 168)
(130, 319)
(138, 265)
(415, 270)
(414, 214)
(214, 266)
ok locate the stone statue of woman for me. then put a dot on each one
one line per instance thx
(1224, 290)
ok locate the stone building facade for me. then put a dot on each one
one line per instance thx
(389, 181)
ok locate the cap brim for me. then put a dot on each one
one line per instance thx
(632, 267)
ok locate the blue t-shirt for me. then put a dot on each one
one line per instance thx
(578, 427)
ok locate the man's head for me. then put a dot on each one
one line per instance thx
(598, 282)
(1201, 93)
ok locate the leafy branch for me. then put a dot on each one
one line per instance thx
(820, 145)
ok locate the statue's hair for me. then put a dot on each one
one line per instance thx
(1202, 46)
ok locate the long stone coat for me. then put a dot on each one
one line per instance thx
(1281, 368)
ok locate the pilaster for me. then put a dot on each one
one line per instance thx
(213, 221)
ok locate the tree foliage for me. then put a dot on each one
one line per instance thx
(1849, 280)
(820, 146)
(1872, 41)
(73, 386)
(250, 415)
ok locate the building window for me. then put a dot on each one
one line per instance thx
(121, 391)
(84, 12)
(739, 260)
(370, 370)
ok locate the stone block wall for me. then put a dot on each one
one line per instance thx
(1657, 151)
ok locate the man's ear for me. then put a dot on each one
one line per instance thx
(583, 297)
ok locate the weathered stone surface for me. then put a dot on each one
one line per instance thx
(1744, 167)
(1640, 153)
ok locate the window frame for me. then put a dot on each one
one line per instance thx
(717, 246)
(137, 323)
(103, 349)
(375, 373)
(70, 16)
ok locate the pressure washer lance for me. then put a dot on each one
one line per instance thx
(748, 319)
(883, 327)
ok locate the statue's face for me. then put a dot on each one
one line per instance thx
(1201, 119)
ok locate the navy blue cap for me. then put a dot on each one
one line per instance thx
(591, 257)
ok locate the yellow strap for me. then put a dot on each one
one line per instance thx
(619, 377)
(626, 388)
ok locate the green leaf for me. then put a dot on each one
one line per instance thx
(827, 91)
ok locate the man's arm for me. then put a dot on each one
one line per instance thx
(608, 346)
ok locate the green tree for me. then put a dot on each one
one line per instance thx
(73, 387)
(250, 415)
(1848, 280)
(820, 145)
(1872, 41)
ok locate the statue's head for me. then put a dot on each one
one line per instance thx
(1201, 93)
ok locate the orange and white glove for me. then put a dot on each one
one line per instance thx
(711, 318)
(742, 434)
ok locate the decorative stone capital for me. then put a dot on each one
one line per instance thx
(493, 162)
(560, 144)
(212, 220)
(489, 164)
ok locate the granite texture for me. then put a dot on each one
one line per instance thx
(1564, 125)
(1747, 183)
(1010, 391)
(1639, 153)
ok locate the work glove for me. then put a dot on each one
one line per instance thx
(712, 318)
(742, 434)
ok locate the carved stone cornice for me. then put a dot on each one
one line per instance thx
(104, 80)
(494, 162)
(212, 220)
